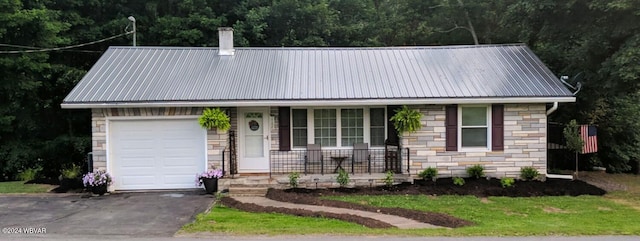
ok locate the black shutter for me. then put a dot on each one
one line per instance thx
(392, 133)
(284, 128)
(451, 122)
(497, 127)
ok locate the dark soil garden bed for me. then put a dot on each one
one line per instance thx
(299, 196)
(475, 187)
(443, 186)
(249, 207)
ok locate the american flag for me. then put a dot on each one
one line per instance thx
(589, 135)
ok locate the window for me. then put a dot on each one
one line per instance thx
(339, 127)
(324, 123)
(474, 127)
(299, 127)
(377, 129)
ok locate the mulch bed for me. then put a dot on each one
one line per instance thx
(300, 197)
(250, 207)
(443, 186)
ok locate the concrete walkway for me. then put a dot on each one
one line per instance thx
(400, 222)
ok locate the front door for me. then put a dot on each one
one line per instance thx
(254, 140)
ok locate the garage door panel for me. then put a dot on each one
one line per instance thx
(178, 163)
(135, 161)
(137, 144)
(137, 180)
(180, 179)
(156, 154)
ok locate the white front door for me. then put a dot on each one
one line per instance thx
(253, 146)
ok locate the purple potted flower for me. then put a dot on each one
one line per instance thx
(209, 179)
(97, 181)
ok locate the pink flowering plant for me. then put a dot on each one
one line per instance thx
(97, 178)
(213, 173)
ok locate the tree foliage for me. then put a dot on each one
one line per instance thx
(597, 40)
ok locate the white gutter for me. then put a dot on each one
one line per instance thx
(300, 103)
(553, 108)
(556, 176)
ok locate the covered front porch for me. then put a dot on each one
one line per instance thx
(330, 161)
(315, 160)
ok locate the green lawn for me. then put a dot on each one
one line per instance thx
(616, 213)
(20, 187)
(584, 215)
(227, 220)
(496, 216)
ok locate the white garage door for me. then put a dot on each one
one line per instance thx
(156, 154)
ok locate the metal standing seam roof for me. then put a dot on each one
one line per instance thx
(147, 75)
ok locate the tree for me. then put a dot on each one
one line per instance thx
(25, 76)
(573, 140)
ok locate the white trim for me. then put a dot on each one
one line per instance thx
(324, 103)
(488, 127)
(152, 117)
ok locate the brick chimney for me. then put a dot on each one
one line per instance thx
(225, 39)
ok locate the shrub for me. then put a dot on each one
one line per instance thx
(293, 179)
(214, 118)
(388, 179)
(528, 173)
(458, 181)
(28, 174)
(430, 173)
(507, 182)
(343, 178)
(476, 171)
(406, 120)
(71, 173)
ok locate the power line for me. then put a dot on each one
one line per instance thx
(38, 50)
(30, 47)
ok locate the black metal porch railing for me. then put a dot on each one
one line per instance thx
(329, 161)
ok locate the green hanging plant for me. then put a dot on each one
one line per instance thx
(214, 118)
(407, 120)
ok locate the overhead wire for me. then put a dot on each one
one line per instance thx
(38, 50)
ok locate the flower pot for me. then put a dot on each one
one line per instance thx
(100, 190)
(210, 185)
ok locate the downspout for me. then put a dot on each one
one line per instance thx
(556, 176)
(553, 108)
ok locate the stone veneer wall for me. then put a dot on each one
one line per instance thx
(525, 128)
(216, 141)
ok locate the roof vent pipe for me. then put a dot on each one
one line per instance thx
(225, 39)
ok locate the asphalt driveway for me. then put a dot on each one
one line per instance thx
(128, 214)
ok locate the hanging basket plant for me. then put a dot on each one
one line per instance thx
(214, 118)
(406, 120)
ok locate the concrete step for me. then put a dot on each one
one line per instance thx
(247, 191)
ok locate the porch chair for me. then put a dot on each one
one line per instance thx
(313, 156)
(360, 155)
